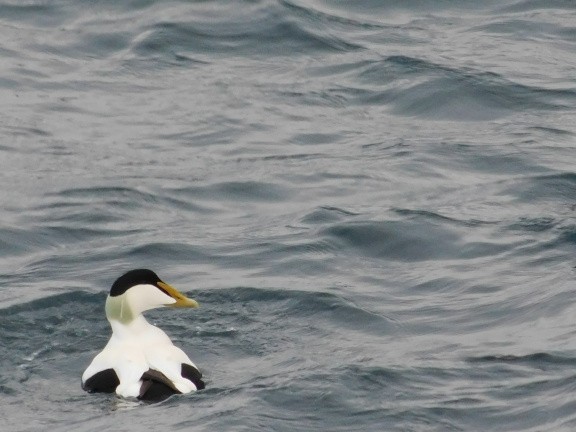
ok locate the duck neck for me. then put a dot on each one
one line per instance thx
(135, 327)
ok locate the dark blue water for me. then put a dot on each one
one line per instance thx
(374, 203)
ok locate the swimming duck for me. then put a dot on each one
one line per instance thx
(140, 360)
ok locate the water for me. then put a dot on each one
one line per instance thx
(374, 203)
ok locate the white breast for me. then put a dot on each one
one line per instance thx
(135, 348)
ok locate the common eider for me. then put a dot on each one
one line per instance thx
(140, 360)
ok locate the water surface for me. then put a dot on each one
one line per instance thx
(374, 203)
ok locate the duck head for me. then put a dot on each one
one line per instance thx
(140, 290)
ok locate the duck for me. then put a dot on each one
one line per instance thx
(140, 361)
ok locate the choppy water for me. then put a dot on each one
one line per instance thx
(374, 203)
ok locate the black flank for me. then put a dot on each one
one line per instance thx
(105, 381)
(193, 374)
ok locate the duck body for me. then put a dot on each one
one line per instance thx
(140, 361)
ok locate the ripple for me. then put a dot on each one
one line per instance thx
(178, 252)
(407, 241)
(237, 190)
(302, 306)
(467, 95)
(14, 241)
(257, 31)
(532, 5)
(540, 360)
(326, 214)
(45, 14)
(560, 186)
(113, 203)
(414, 86)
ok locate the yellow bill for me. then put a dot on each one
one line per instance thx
(181, 300)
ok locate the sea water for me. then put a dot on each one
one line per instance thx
(374, 203)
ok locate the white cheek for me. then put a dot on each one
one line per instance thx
(167, 300)
(145, 297)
